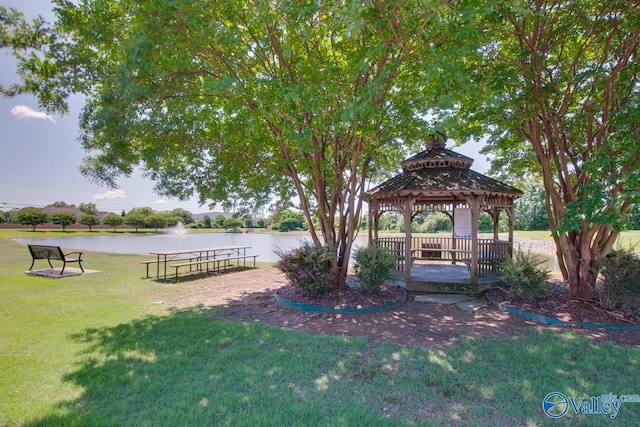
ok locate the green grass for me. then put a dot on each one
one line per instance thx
(97, 349)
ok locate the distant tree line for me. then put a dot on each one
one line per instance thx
(147, 218)
(529, 214)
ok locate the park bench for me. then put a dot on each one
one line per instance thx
(55, 253)
(214, 262)
(435, 252)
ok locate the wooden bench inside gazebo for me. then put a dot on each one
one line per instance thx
(439, 180)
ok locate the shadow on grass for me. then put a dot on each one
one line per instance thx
(190, 368)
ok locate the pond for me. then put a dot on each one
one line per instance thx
(262, 244)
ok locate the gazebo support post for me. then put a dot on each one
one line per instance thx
(371, 223)
(475, 209)
(408, 205)
(454, 243)
(509, 211)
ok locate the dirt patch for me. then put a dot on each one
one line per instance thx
(250, 296)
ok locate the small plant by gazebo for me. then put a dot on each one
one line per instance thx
(439, 180)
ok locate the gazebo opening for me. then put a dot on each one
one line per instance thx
(441, 180)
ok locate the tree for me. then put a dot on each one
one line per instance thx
(554, 84)
(113, 221)
(30, 216)
(170, 219)
(219, 221)
(437, 223)
(530, 212)
(241, 102)
(289, 221)
(633, 218)
(63, 219)
(88, 208)
(155, 221)
(232, 223)
(89, 220)
(206, 221)
(136, 220)
(143, 211)
(184, 215)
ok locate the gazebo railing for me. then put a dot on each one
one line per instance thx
(434, 248)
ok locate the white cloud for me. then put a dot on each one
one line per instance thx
(111, 194)
(24, 112)
(161, 202)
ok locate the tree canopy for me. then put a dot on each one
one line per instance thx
(240, 100)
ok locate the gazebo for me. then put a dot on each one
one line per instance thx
(440, 180)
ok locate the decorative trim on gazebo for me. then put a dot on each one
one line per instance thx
(441, 180)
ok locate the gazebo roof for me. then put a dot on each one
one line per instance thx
(440, 173)
(443, 180)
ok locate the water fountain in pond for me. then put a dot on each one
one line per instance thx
(178, 229)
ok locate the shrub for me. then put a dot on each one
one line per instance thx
(373, 266)
(307, 267)
(524, 278)
(620, 277)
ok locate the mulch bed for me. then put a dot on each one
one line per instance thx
(558, 305)
(561, 306)
(341, 299)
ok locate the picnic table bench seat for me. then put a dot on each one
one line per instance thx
(55, 253)
(155, 261)
(213, 261)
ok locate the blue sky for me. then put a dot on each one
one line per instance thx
(40, 155)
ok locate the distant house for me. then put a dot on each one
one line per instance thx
(51, 210)
(102, 214)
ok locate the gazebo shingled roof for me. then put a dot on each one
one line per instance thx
(439, 170)
(443, 180)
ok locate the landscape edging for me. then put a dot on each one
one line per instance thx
(554, 321)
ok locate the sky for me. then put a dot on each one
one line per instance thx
(40, 155)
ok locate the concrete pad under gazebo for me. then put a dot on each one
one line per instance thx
(440, 180)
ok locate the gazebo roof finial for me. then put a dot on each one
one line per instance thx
(437, 156)
(438, 139)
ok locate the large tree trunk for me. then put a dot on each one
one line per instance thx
(579, 251)
(339, 205)
(578, 258)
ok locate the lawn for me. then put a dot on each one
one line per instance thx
(98, 349)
